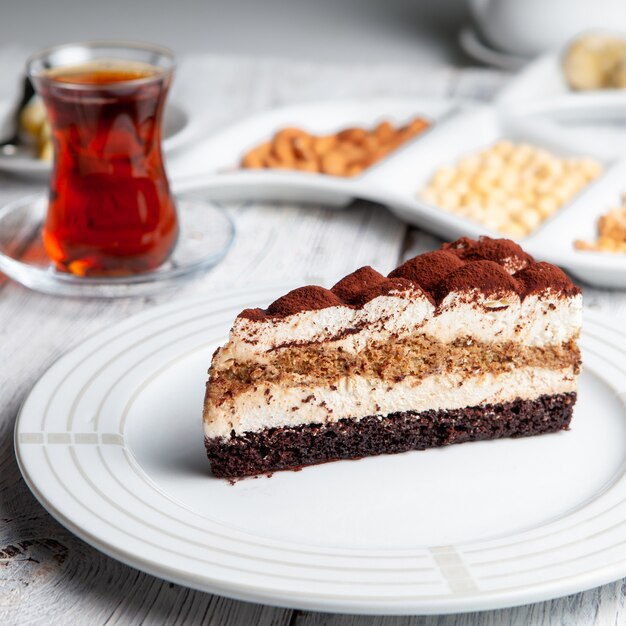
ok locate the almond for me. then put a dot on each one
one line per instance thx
(255, 158)
(384, 132)
(290, 133)
(346, 153)
(354, 135)
(334, 163)
(282, 149)
(323, 144)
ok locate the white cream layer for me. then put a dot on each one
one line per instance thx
(535, 321)
(357, 397)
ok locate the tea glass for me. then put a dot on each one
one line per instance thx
(110, 210)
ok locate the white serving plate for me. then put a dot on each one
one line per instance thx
(110, 441)
(538, 80)
(215, 164)
(586, 123)
(543, 79)
(579, 221)
(396, 181)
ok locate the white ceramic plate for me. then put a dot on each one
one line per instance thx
(586, 123)
(538, 80)
(543, 79)
(215, 163)
(395, 182)
(110, 441)
(177, 132)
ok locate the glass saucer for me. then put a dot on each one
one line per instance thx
(206, 234)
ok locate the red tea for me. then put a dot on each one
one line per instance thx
(110, 210)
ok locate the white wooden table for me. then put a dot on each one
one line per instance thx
(48, 576)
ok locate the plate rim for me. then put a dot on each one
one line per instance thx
(444, 604)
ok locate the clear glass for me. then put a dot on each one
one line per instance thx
(206, 234)
(110, 209)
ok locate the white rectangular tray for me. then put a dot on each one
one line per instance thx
(458, 129)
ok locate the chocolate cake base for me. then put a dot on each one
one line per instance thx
(284, 448)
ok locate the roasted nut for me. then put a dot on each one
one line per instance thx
(324, 144)
(618, 75)
(46, 151)
(371, 143)
(346, 153)
(384, 132)
(308, 166)
(335, 163)
(33, 116)
(415, 127)
(352, 153)
(256, 158)
(282, 149)
(354, 135)
(611, 233)
(45, 132)
(290, 133)
(303, 148)
(593, 61)
(34, 121)
(355, 169)
(274, 163)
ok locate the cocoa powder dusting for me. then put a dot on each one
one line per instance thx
(428, 269)
(353, 285)
(310, 298)
(383, 288)
(541, 276)
(487, 249)
(464, 265)
(486, 276)
(256, 315)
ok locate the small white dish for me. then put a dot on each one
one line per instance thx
(459, 128)
(591, 123)
(542, 80)
(472, 44)
(221, 153)
(214, 165)
(538, 80)
(396, 181)
(110, 441)
(555, 242)
(178, 131)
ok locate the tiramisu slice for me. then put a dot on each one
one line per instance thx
(473, 341)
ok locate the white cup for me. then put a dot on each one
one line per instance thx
(530, 27)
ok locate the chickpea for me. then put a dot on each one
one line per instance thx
(514, 229)
(611, 233)
(509, 187)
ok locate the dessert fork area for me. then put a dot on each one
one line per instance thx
(49, 575)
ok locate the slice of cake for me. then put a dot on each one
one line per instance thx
(473, 341)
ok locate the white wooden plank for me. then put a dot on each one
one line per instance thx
(319, 245)
(49, 576)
